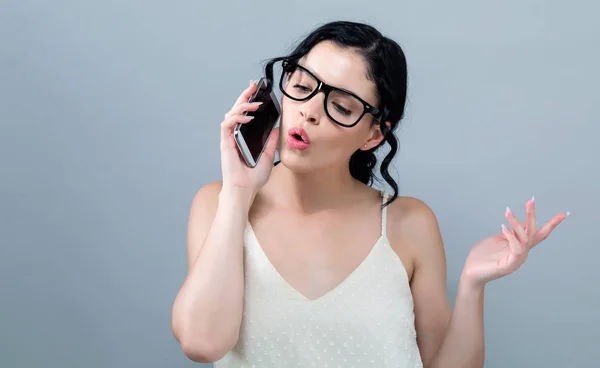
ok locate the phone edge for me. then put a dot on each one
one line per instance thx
(241, 143)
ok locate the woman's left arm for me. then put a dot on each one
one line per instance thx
(457, 339)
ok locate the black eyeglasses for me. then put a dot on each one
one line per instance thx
(343, 107)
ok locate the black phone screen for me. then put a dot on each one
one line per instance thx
(256, 132)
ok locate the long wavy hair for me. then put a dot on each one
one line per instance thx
(387, 69)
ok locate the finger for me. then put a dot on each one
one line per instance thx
(531, 221)
(228, 124)
(524, 224)
(548, 227)
(516, 226)
(239, 109)
(246, 94)
(515, 246)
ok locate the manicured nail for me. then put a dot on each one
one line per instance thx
(568, 213)
(507, 210)
(503, 227)
(532, 198)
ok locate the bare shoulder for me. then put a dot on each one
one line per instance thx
(413, 223)
(207, 197)
(202, 212)
(411, 215)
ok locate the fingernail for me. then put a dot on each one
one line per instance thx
(507, 210)
(568, 213)
(503, 227)
(532, 198)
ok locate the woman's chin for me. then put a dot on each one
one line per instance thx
(300, 164)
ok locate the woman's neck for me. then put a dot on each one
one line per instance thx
(313, 191)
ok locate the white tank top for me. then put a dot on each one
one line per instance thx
(366, 321)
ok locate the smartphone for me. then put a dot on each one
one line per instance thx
(251, 138)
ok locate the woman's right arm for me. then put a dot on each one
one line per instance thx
(208, 309)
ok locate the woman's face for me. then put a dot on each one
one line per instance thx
(326, 144)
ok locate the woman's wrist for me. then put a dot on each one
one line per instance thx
(237, 197)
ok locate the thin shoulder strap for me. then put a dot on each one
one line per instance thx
(383, 215)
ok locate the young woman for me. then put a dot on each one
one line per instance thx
(303, 263)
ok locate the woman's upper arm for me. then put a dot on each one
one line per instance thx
(421, 231)
(202, 213)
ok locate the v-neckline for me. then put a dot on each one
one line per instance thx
(337, 288)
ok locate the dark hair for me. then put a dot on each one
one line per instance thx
(387, 68)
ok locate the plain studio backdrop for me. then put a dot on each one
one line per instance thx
(110, 116)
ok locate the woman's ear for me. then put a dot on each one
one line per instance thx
(375, 137)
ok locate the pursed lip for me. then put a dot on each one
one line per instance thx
(300, 133)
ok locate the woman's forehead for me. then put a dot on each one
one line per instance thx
(340, 67)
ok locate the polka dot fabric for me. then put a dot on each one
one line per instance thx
(366, 321)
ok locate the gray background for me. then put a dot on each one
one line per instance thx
(109, 117)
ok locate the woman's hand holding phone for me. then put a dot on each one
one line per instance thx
(237, 176)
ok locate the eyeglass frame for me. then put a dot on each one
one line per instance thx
(327, 89)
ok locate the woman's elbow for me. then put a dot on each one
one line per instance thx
(203, 349)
